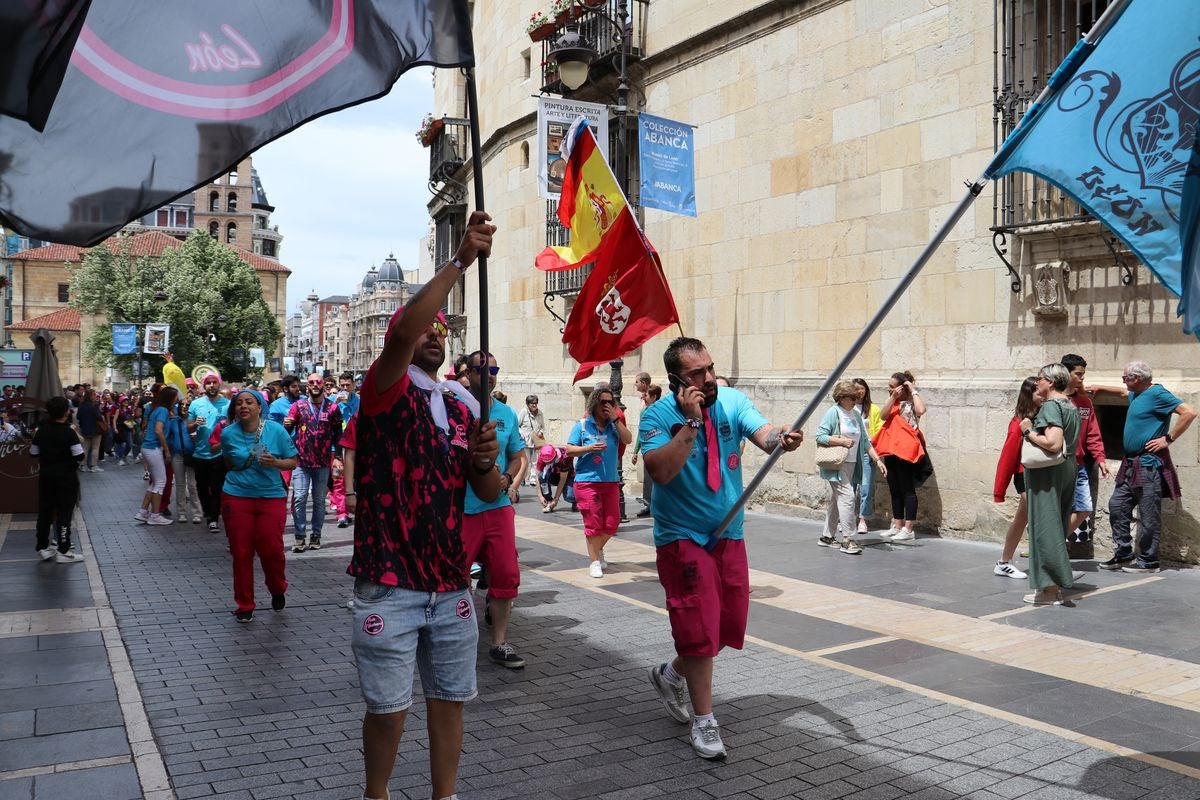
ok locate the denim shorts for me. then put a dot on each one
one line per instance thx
(1083, 491)
(396, 629)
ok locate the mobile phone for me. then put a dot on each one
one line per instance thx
(676, 383)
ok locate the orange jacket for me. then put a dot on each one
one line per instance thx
(898, 438)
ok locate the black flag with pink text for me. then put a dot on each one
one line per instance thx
(161, 98)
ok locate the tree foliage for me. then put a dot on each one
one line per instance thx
(203, 280)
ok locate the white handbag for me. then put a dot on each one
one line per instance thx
(1034, 457)
(831, 456)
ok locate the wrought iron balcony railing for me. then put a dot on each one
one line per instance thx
(596, 21)
(448, 152)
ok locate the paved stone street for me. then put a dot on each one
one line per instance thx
(909, 671)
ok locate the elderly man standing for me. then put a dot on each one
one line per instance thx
(1146, 471)
(692, 440)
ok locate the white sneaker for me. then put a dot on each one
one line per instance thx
(889, 533)
(903, 535)
(195, 519)
(47, 554)
(120, 462)
(547, 509)
(158, 519)
(1007, 570)
(706, 740)
(69, 557)
(596, 570)
(95, 469)
(142, 515)
(674, 696)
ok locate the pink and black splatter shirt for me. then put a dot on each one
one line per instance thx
(411, 483)
(315, 429)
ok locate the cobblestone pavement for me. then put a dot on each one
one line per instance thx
(904, 672)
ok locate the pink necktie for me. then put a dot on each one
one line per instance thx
(714, 453)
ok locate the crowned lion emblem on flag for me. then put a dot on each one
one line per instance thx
(613, 313)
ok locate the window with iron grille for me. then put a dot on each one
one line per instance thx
(1032, 37)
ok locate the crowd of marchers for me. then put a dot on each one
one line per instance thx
(429, 479)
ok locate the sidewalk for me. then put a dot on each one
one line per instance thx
(908, 671)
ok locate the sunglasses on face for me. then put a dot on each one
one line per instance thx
(492, 370)
(315, 383)
(439, 328)
(607, 402)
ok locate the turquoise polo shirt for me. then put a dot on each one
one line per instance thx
(595, 467)
(211, 411)
(1148, 417)
(508, 436)
(246, 477)
(686, 508)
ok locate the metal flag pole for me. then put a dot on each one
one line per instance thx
(973, 190)
(1060, 77)
(477, 176)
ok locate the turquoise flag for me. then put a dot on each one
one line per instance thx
(1118, 132)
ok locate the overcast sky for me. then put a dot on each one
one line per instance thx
(349, 188)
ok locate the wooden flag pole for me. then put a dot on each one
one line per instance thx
(477, 175)
(973, 190)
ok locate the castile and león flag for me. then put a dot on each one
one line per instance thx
(625, 301)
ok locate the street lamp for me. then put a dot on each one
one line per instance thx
(574, 56)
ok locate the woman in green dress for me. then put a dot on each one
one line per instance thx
(1051, 490)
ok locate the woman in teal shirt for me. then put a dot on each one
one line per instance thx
(844, 426)
(593, 444)
(254, 499)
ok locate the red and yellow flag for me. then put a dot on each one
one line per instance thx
(590, 203)
(625, 300)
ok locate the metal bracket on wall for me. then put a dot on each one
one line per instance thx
(546, 298)
(1126, 270)
(1000, 245)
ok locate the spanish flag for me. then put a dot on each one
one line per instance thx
(625, 300)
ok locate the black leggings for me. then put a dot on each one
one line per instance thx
(901, 480)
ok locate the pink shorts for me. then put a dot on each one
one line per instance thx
(600, 504)
(708, 595)
(490, 538)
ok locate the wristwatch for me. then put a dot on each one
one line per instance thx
(456, 262)
(1167, 436)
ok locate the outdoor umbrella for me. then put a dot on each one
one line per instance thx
(43, 382)
(161, 98)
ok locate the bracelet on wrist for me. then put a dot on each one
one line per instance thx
(458, 263)
(350, 494)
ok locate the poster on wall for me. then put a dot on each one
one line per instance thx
(158, 340)
(667, 165)
(258, 357)
(124, 339)
(554, 117)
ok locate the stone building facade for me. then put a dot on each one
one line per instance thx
(832, 137)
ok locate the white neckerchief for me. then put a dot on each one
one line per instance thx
(434, 391)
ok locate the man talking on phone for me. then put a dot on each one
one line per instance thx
(691, 441)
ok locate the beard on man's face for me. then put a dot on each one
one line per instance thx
(430, 353)
(710, 394)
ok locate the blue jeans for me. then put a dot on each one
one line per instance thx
(399, 631)
(868, 484)
(306, 480)
(124, 442)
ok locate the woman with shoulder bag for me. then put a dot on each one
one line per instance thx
(1048, 455)
(843, 431)
(254, 499)
(902, 447)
